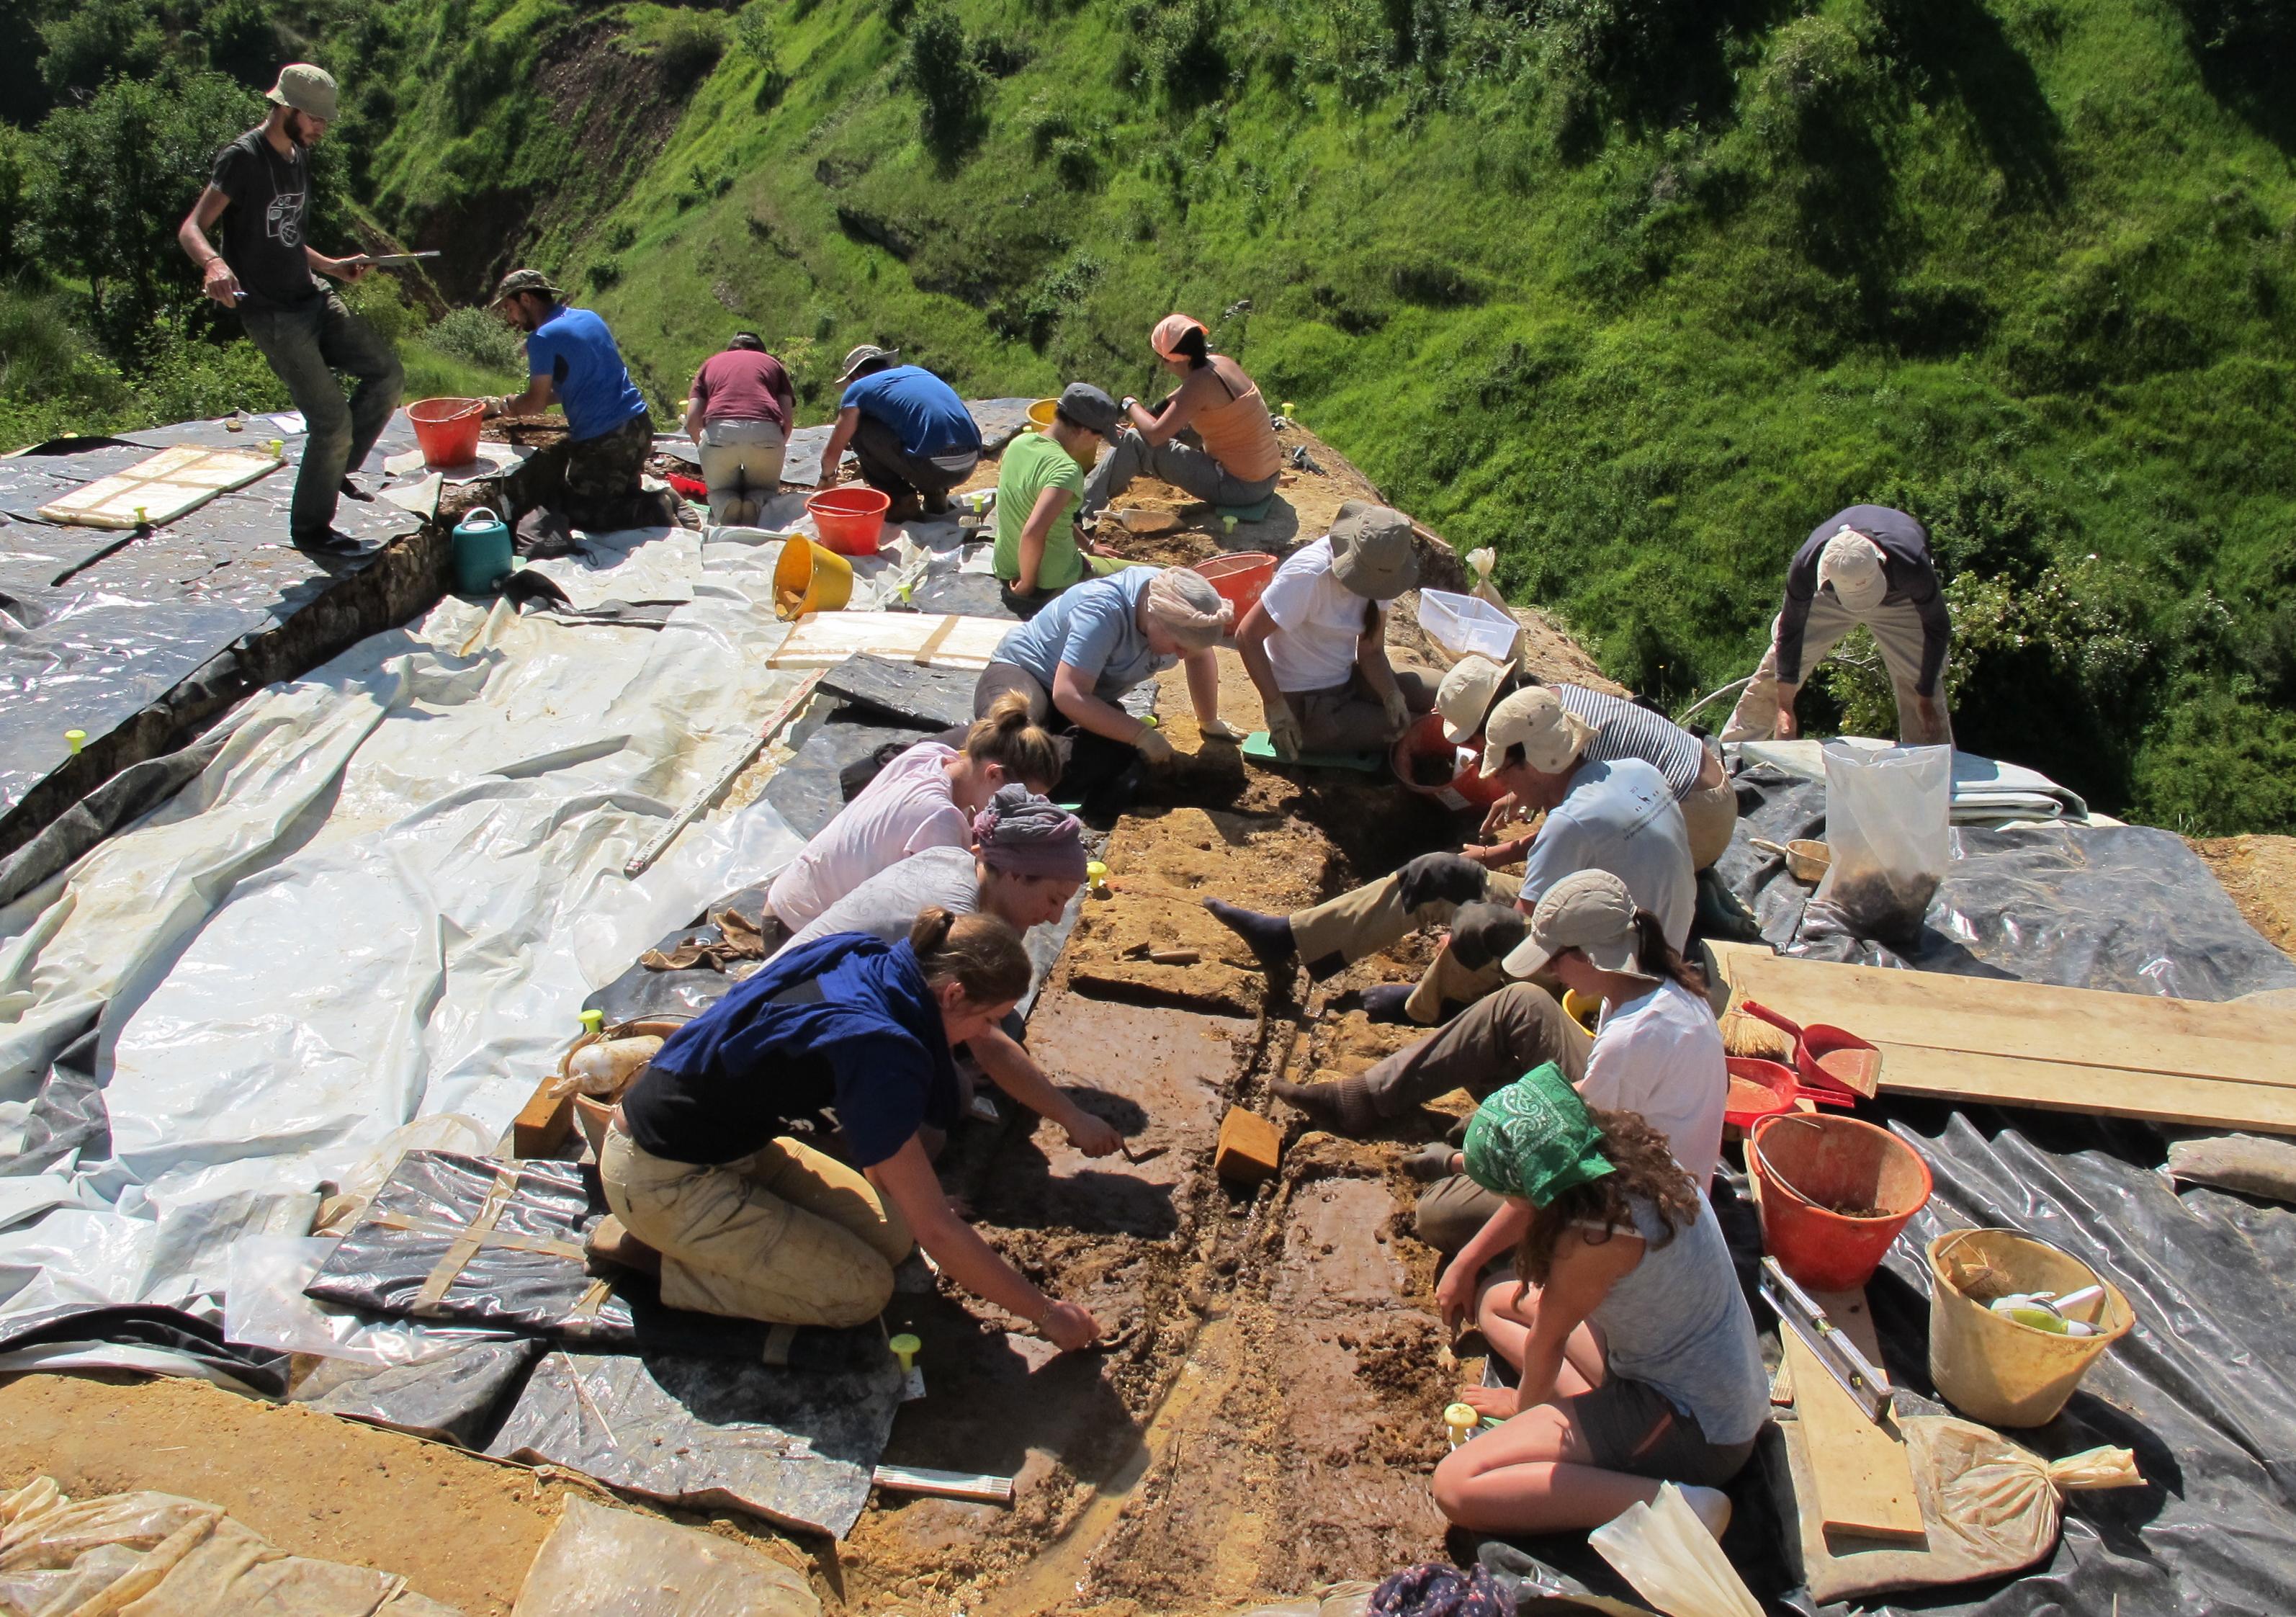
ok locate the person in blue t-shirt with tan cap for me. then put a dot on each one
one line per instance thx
(914, 437)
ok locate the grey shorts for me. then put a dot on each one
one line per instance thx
(1631, 1427)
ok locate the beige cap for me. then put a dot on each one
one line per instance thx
(1466, 694)
(1590, 911)
(1372, 554)
(858, 357)
(1549, 733)
(309, 90)
(1852, 564)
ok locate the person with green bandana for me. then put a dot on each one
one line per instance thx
(1637, 1351)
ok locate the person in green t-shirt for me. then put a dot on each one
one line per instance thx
(1039, 482)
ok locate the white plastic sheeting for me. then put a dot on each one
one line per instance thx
(385, 900)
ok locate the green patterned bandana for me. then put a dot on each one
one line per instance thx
(1534, 1138)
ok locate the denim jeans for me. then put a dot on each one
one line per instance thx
(307, 345)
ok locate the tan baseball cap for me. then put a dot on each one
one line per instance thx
(1852, 564)
(1372, 554)
(1549, 733)
(309, 90)
(1466, 694)
(1590, 911)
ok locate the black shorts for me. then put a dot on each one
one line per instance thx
(1631, 1427)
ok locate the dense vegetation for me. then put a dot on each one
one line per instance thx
(1637, 291)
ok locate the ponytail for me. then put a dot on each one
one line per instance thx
(1659, 958)
(1008, 736)
(980, 953)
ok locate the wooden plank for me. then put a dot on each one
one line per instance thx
(543, 1123)
(1863, 1476)
(2230, 1042)
(821, 640)
(2007, 1081)
(163, 488)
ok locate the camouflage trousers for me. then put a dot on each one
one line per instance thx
(593, 483)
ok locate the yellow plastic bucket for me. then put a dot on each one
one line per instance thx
(1041, 412)
(1989, 1366)
(1581, 1008)
(810, 577)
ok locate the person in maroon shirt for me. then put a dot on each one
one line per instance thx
(740, 416)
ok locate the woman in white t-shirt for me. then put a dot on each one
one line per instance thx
(925, 798)
(1316, 644)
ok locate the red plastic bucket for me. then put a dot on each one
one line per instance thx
(851, 519)
(446, 429)
(1834, 1194)
(1424, 740)
(1240, 579)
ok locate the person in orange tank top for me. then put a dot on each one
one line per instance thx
(1211, 436)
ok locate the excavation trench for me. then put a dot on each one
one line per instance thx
(1268, 1414)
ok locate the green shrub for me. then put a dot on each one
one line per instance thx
(604, 273)
(474, 337)
(622, 237)
(187, 375)
(97, 40)
(382, 302)
(689, 47)
(941, 70)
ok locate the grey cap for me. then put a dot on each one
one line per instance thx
(1372, 553)
(309, 90)
(525, 281)
(1590, 911)
(1090, 408)
(861, 355)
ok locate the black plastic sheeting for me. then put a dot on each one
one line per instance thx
(2204, 1389)
(453, 1398)
(128, 795)
(147, 1325)
(96, 626)
(642, 994)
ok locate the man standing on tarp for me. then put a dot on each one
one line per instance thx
(1869, 564)
(592, 479)
(261, 193)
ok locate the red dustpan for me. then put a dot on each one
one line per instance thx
(1762, 1089)
(1828, 1057)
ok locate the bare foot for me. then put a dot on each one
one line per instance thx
(612, 1244)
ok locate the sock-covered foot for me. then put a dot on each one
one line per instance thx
(611, 1246)
(1429, 1163)
(1711, 1504)
(1269, 936)
(1388, 1002)
(1344, 1106)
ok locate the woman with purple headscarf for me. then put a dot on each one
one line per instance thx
(1026, 862)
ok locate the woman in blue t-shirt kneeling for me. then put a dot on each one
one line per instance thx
(709, 1189)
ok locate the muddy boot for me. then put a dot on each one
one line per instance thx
(1343, 1107)
(611, 1247)
(1269, 936)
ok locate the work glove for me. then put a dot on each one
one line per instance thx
(1285, 735)
(1152, 745)
(1481, 934)
(1398, 714)
(1441, 878)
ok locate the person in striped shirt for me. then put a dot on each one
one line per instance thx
(1583, 747)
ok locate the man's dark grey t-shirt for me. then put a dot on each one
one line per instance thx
(263, 229)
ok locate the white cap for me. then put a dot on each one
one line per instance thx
(1465, 695)
(1590, 911)
(1549, 733)
(1852, 564)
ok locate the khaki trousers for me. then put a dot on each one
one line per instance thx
(786, 1235)
(1350, 718)
(1373, 916)
(1710, 814)
(1486, 1048)
(1897, 629)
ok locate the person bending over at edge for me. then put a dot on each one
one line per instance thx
(739, 415)
(261, 192)
(1213, 435)
(1315, 644)
(709, 1191)
(914, 437)
(1657, 1051)
(1619, 814)
(925, 797)
(1026, 864)
(1639, 1360)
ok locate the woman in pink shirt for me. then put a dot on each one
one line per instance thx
(924, 797)
(740, 416)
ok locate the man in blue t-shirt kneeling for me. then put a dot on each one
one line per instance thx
(914, 437)
(591, 479)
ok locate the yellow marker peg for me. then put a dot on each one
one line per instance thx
(1463, 1420)
(75, 739)
(906, 1348)
(594, 1021)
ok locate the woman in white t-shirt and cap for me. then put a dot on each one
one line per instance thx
(1657, 1050)
(1316, 644)
(1867, 564)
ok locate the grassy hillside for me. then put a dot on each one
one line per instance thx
(1636, 294)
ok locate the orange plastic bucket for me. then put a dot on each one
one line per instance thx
(446, 429)
(1834, 1194)
(1240, 579)
(851, 519)
(1424, 741)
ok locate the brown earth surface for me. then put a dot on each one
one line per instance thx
(2260, 872)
